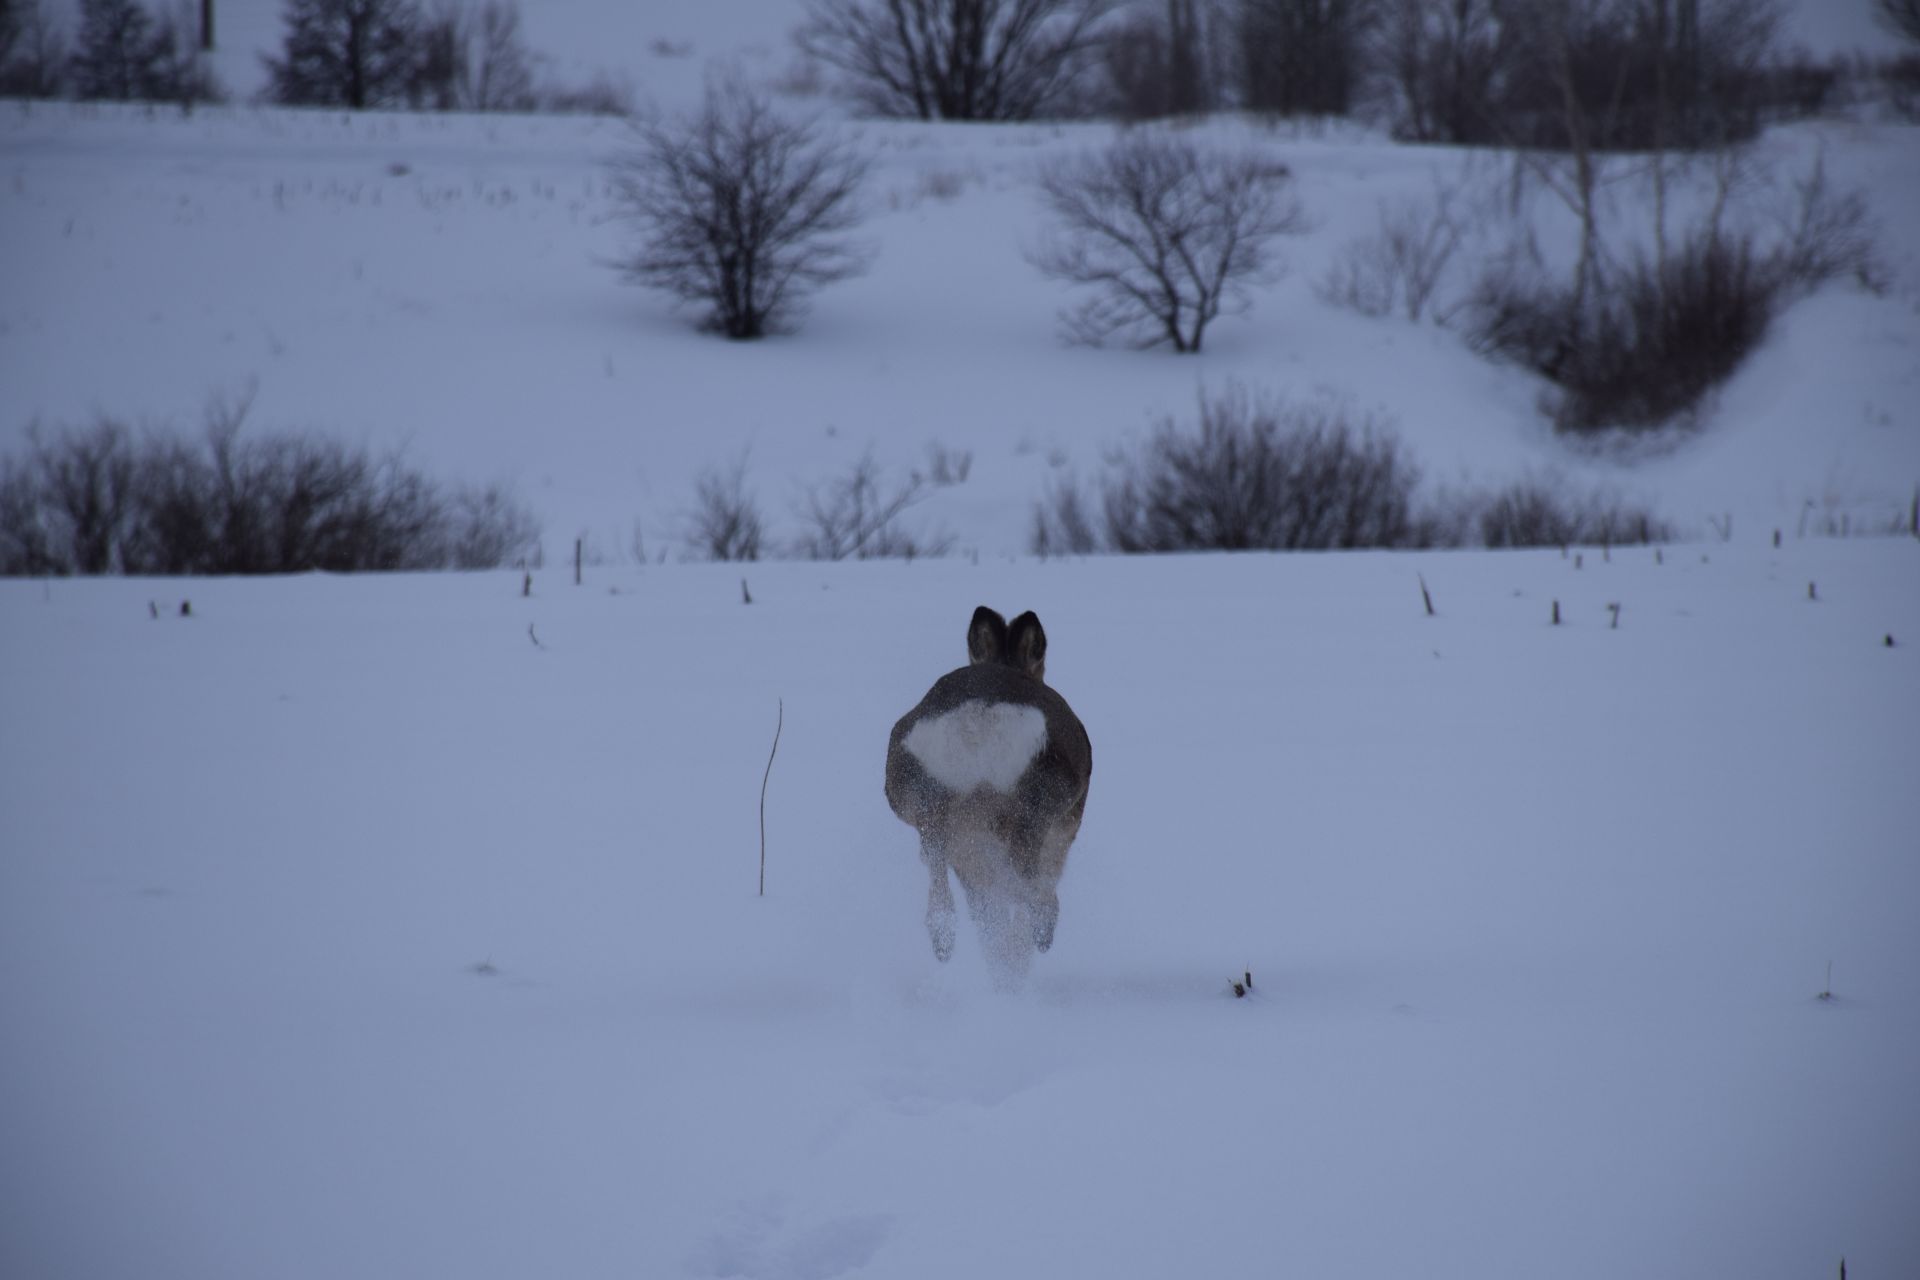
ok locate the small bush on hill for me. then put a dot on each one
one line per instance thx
(1252, 474)
(725, 522)
(1645, 350)
(856, 516)
(1533, 513)
(1642, 344)
(1259, 474)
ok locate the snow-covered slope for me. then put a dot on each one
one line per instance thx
(442, 283)
(346, 930)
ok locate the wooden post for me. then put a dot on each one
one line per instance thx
(576, 560)
(206, 26)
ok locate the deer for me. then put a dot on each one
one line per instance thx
(991, 768)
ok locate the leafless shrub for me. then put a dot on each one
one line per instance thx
(956, 59)
(289, 503)
(1263, 475)
(1826, 234)
(947, 467)
(603, 94)
(1402, 263)
(725, 523)
(487, 527)
(1277, 475)
(86, 497)
(1644, 342)
(1540, 513)
(740, 211)
(1647, 349)
(857, 516)
(98, 501)
(1164, 235)
(1063, 524)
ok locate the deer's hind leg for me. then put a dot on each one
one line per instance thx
(940, 928)
(1040, 855)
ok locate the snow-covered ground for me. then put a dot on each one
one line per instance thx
(403, 926)
(345, 930)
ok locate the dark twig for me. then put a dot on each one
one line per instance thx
(777, 725)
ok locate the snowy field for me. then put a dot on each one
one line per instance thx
(349, 932)
(404, 926)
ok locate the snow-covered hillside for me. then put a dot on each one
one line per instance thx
(442, 283)
(345, 930)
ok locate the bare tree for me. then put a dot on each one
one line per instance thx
(115, 55)
(11, 22)
(346, 53)
(499, 68)
(440, 64)
(33, 50)
(740, 210)
(1901, 16)
(1165, 236)
(956, 59)
(1302, 57)
(1444, 61)
(1156, 64)
(1633, 75)
(180, 70)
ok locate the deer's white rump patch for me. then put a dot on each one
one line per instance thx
(979, 744)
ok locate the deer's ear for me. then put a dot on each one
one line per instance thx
(986, 637)
(1027, 645)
